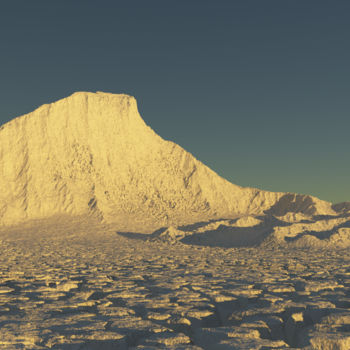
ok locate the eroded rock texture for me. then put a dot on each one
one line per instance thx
(79, 285)
(92, 153)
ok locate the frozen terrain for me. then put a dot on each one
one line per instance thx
(68, 284)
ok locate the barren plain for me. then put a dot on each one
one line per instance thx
(69, 284)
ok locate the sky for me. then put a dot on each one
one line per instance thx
(257, 90)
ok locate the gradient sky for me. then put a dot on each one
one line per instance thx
(257, 90)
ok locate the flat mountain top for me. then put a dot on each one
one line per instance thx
(92, 155)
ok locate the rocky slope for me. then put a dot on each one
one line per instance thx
(92, 154)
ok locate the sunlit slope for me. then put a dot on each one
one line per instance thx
(92, 154)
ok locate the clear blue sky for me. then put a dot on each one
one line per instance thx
(257, 90)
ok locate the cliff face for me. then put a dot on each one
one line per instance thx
(92, 154)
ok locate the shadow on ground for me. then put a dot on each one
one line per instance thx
(134, 235)
(228, 237)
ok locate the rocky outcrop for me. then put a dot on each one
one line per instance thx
(92, 154)
(342, 208)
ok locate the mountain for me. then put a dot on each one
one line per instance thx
(343, 207)
(91, 154)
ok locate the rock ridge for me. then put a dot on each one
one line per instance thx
(92, 154)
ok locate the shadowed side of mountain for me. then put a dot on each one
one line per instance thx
(343, 207)
(92, 154)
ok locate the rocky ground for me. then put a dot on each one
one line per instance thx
(88, 287)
